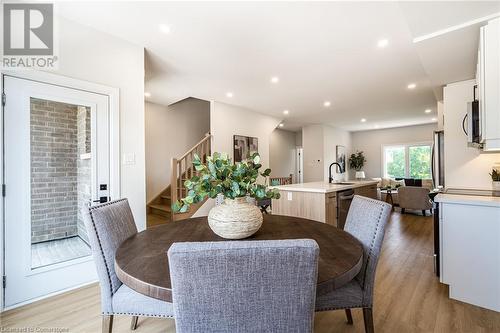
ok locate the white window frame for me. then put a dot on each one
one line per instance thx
(406, 146)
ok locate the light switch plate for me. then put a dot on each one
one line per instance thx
(129, 159)
(289, 196)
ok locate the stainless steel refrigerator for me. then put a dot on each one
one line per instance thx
(438, 182)
(438, 160)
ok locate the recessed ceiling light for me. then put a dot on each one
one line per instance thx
(281, 125)
(147, 94)
(363, 120)
(164, 28)
(327, 104)
(412, 86)
(286, 112)
(382, 43)
(229, 94)
(433, 119)
(428, 111)
(275, 79)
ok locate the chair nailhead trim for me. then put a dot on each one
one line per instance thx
(134, 314)
(340, 308)
(343, 308)
(370, 252)
(99, 239)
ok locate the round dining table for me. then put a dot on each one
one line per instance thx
(141, 261)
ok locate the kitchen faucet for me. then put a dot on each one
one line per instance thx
(330, 178)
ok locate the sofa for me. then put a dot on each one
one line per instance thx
(415, 196)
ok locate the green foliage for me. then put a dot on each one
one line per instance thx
(357, 161)
(495, 175)
(396, 165)
(220, 176)
(420, 162)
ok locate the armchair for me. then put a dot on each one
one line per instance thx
(412, 197)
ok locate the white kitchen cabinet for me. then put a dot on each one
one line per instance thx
(488, 80)
(470, 249)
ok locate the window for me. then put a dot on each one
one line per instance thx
(407, 161)
(395, 165)
(420, 162)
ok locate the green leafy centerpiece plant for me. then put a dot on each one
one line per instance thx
(235, 218)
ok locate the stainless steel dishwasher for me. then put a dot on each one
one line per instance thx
(344, 199)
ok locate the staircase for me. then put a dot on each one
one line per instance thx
(159, 209)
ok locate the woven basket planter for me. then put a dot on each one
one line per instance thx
(235, 219)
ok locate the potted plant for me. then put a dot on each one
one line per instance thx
(356, 162)
(495, 177)
(235, 218)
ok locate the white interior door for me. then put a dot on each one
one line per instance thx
(57, 160)
(300, 164)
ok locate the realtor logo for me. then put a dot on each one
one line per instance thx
(28, 35)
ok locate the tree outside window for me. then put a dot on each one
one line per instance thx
(407, 161)
(395, 162)
(420, 162)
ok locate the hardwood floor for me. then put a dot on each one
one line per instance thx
(153, 219)
(408, 297)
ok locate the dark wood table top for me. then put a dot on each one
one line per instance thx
(141, 261)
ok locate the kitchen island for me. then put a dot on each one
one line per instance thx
(321, 201)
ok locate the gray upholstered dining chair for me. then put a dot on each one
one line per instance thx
(366, 221)
(108, 225)
(244, 286)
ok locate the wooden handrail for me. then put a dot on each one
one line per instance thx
(182, 167)
(207, 137)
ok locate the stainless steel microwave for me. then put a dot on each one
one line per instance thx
(473, 129)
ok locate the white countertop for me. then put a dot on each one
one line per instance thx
(474, 200)
(324, 187)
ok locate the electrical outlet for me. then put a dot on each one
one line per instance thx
(289, 196)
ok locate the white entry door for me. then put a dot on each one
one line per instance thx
(299, 158)
(57, 161)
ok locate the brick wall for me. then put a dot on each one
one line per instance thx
(54, 197)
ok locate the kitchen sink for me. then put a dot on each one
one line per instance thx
(342, 183)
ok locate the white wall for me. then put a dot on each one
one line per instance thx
(282, 152)
(298, 138)
(319, 143)
(91, 55)
(170, 132)
(464, 167)
(227, 120)
(312, 143)
(370, 142)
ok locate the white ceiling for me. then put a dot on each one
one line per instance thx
(319, 50)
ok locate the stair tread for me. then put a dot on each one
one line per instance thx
(165, 208)
(166, 197)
